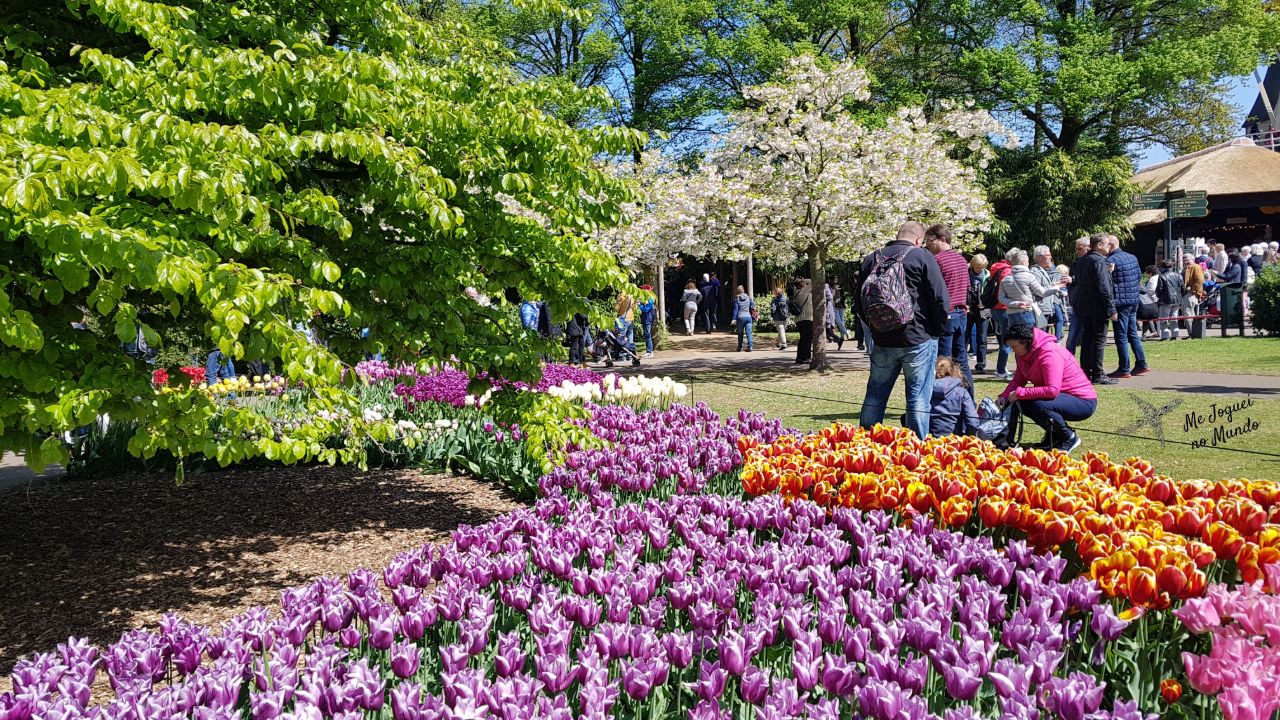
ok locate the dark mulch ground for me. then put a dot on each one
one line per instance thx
(96, 557)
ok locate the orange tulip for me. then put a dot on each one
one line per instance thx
(956, 511)
(1143, 588)
(1170, 690)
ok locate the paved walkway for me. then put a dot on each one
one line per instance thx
(15, 473)
(717, 353)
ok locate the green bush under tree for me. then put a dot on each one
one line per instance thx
(246, 167)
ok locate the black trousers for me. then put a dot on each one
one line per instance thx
(804, 349)
(576, 347)
(1093, 341)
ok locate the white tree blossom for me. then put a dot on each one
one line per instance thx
(797, 175)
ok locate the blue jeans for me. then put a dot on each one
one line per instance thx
(866, 337)
(1073, 334)
(1026, 317)
(917, 363)
(1052, 415)
(952, 344)
(1059, 319)
(844, 331)
(976, 335)
(744, 326)
(709, 315)
(626, 331)
(648, 336)
(1001, 320)
(1125, 330)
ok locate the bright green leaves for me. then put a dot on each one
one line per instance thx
(244, 175)
(26, 195)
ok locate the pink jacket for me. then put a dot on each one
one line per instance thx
(1050, 370)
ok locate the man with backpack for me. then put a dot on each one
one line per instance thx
(903, 297)
(999, 314)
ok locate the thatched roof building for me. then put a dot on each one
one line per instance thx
(1242, 182)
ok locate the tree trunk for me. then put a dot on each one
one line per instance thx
(662, 294)
(818, 295)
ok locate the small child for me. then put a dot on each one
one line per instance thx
(953, 411)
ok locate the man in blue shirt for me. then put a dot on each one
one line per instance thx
(218, 367)
(1126, 275)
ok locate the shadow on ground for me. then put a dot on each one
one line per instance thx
(96, 557)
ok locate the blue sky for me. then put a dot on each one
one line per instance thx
(1244, 90)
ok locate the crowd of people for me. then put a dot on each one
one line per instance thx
(925, 310)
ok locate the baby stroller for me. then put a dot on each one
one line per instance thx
(1209, 306)
(608, 346)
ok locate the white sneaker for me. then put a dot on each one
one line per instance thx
(648, 356)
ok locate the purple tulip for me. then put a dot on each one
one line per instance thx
(509, 659)
(1074, 697)
(754, 685)
(711, 681)
(733, 653)
(405, 657)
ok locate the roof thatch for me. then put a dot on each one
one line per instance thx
(1232, 168)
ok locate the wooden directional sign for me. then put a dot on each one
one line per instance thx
(1148, 201)
(1191, 207)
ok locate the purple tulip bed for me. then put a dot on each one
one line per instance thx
(641, 585)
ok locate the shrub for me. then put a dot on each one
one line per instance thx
(1265, 300)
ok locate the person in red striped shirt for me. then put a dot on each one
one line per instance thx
(955, 272)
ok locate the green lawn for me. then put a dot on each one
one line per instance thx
(1229, 355)
(809, 400)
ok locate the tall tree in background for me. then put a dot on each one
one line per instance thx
(1074, 71)
(798, 176)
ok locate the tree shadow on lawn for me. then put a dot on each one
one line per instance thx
(94, 557)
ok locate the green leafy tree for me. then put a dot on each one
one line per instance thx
(1075, 72)
(248, 167)
(1052, 198)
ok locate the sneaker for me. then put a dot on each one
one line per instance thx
(739, 348)
(1120, 375)
(748, 349)
(976, 371)
(1142, 371)
(648, 356)
(840, 344)
(1006, 375)
(1106, 380)
(1070, 442)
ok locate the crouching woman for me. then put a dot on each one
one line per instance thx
(1048, 387)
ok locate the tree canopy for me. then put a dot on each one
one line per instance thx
(242, 168)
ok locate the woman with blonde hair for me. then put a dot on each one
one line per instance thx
(952, 411)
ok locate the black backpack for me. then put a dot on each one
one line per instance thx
(991, 292)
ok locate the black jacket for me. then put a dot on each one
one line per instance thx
(1094, 296)
(928, 294)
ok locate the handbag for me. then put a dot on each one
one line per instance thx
(993, 422)
(1000, 426)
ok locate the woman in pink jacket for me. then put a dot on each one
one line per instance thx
(1048, 387)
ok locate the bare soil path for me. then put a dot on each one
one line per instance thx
(94, 557)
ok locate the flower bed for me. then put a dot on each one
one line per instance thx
(698, 605)
(1144, 537)
(641, 585)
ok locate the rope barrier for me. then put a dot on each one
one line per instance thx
(691, 382)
